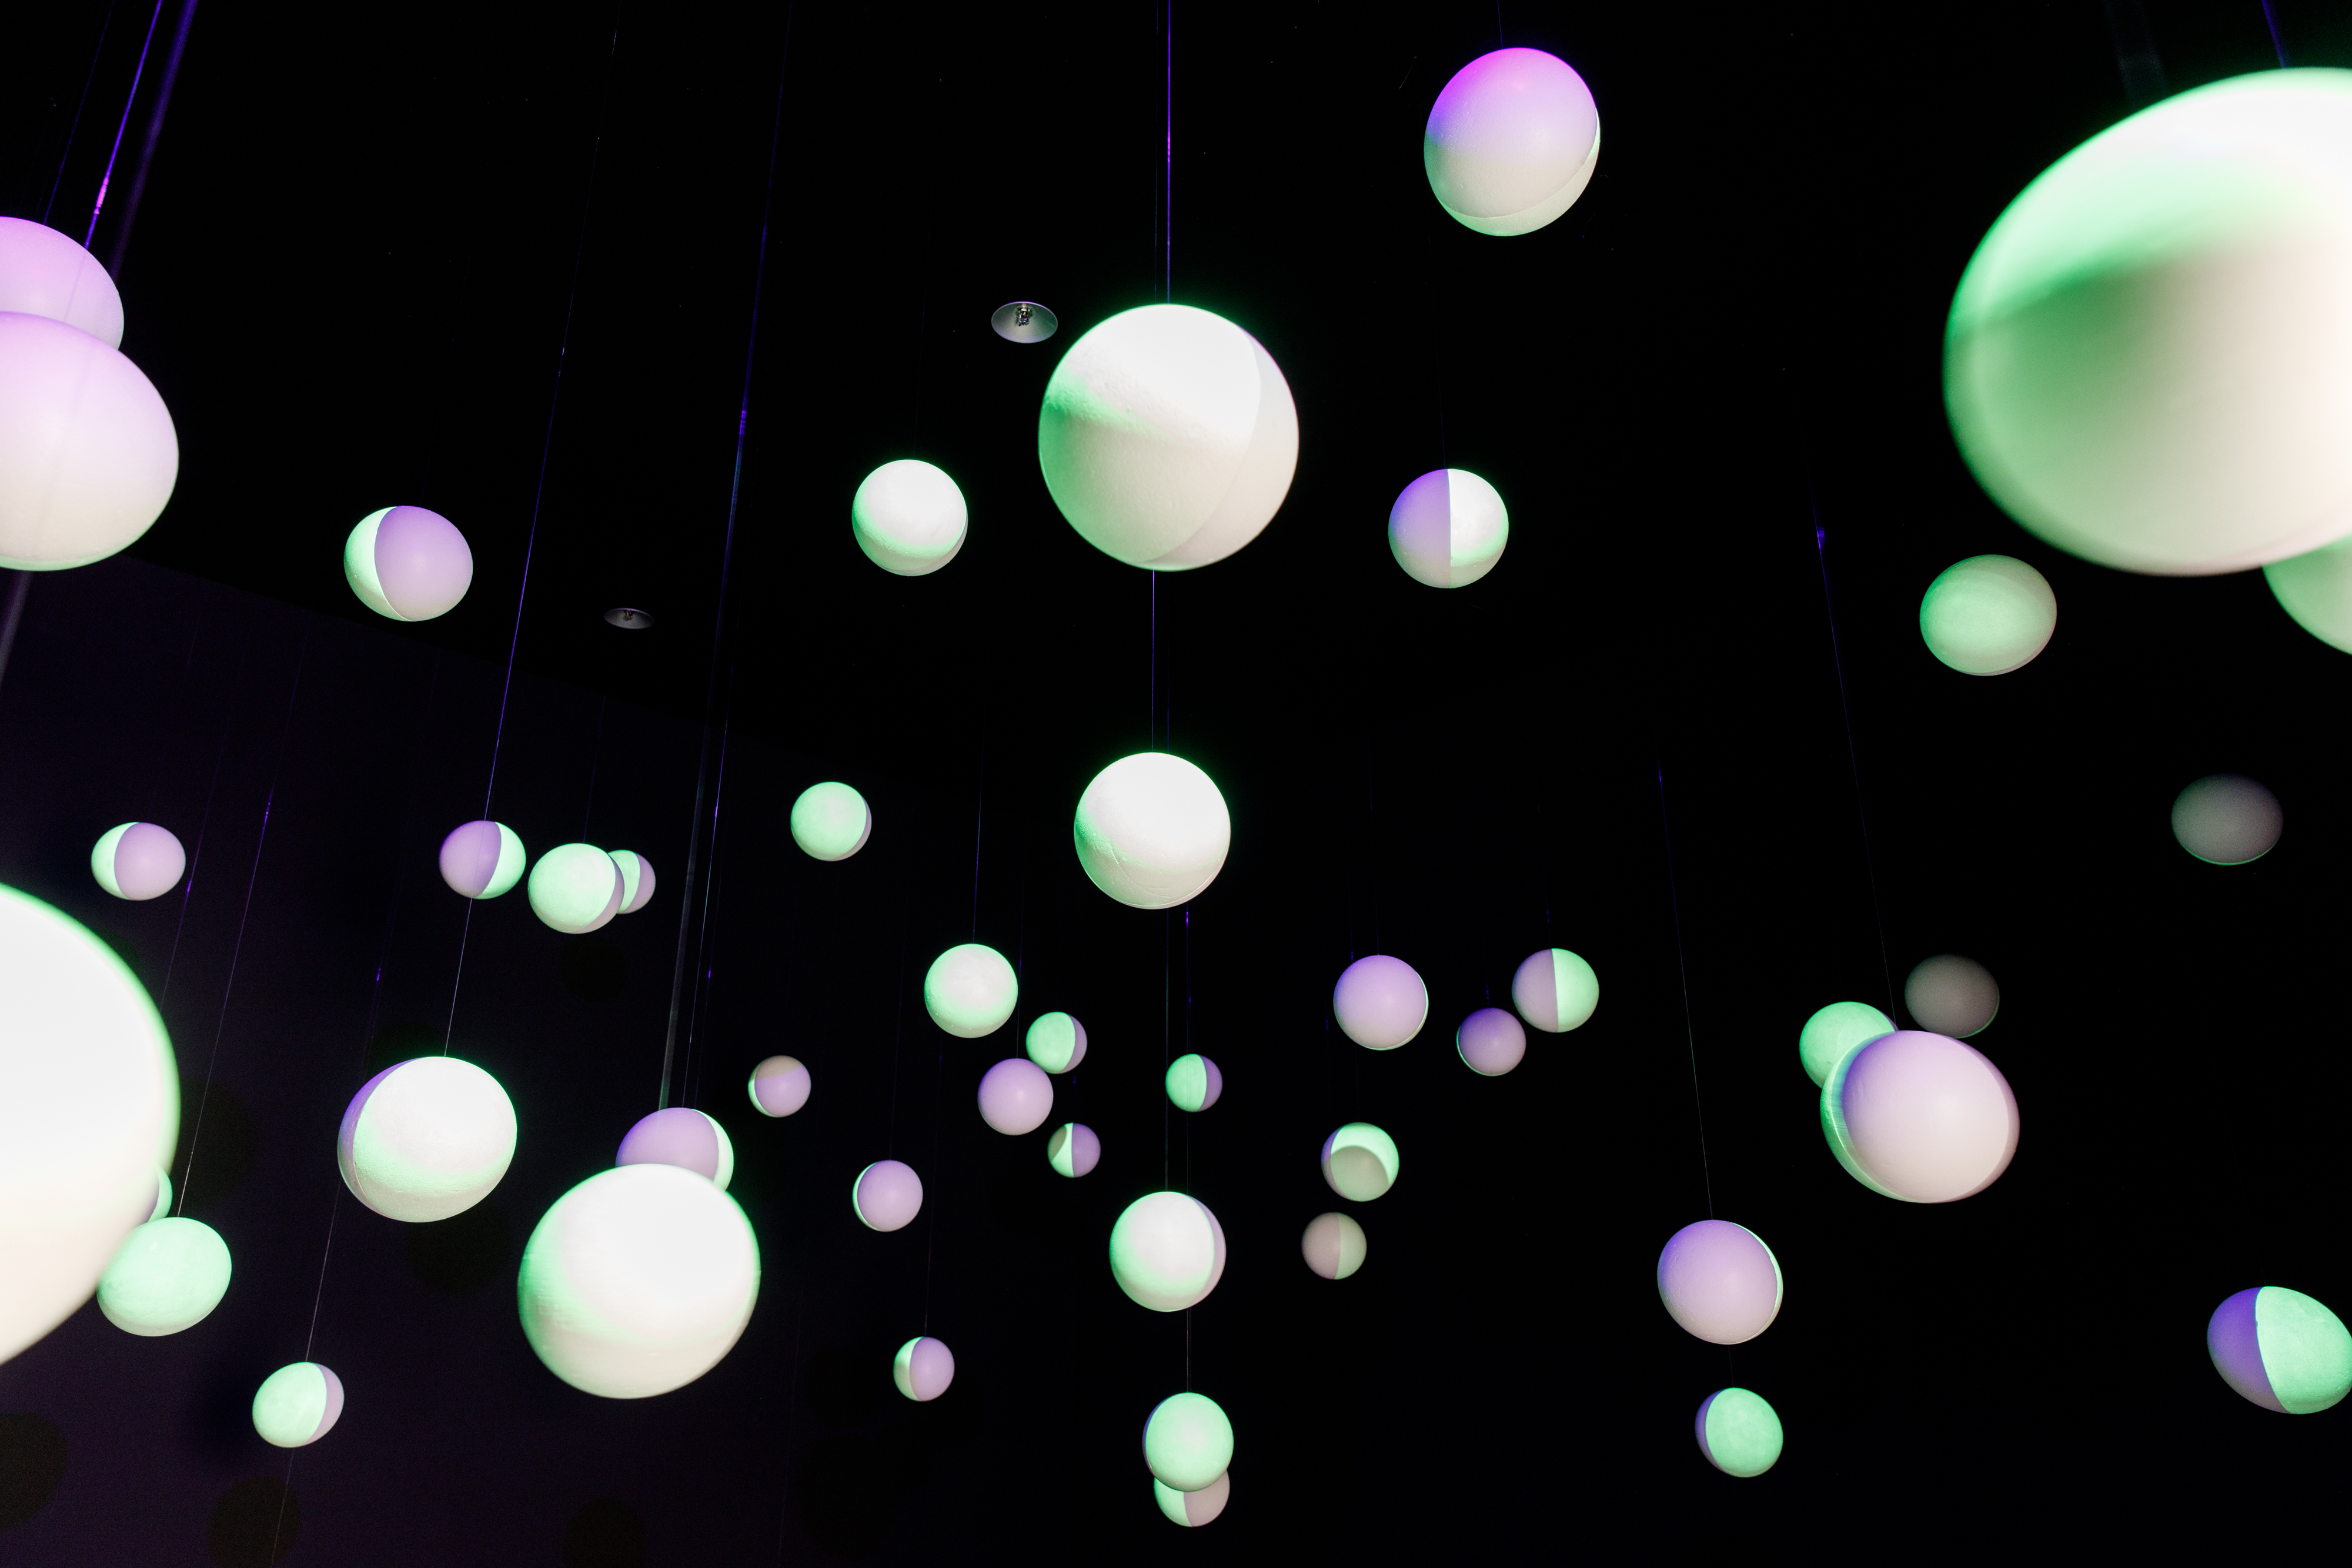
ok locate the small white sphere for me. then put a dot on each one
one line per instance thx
(88, 452)
(168, 1276)
(1167, 1251)
(138, 861)
(1015, 1096)
(296, 1405)
(1333, 1245)
(2226, 820)
(1511, 143)
(831, 821)
(887, 1196)
(1920, 1117)
(1193, 1082)
(909, 518)
(1152, 830)
(45, 273)
(1193, 1509)
(1988, 615)
(1554, 990)
(1448, 528)
(779, 1086)
(426, 1139)
(1951, 995)
(481, 860)
(1380, 1003)
(407, 563)
(575, 888)
(1074, 1150)
(923, 1368)
(1361, 1162)
(1491, 1042)
(636, 880)
(1719, 1282)
(680, 1136)
(969, 990)
(1056, 1042)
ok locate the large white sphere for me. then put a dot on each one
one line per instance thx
(2315, 588)
(90, 1108)
(168, 1276)
(887, 1196)
(1948, 994)
(1511, 143)
(1152, 830)
(1333, 1245)
(1988, 615)
(1167, 1251)
(1448, 528)
(2149, 359)
(481, 860)
(407, 563)
(1719, 1282)
(1361, 1162)
(1920, 1117)
(88, 452)
(638, 1280)
(1015, 1096)
(2227, 820)
(636, 881)
(296, 1405)
(1554, 990)
(909, 518)
(780, 1085)
(1168, 438)
(682, 1136)
(1193, 1509)
(426, 1139)
(923, 1368)
(575, 888)
(138, 861)
(969, 990)
(831, 821)
(44, 272)
(1380, 1003)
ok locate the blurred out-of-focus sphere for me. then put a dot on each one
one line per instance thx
(1194, 1508)
(1837, 1029)
(296, 1405)
(575, 888)
(1719, 1282)
(1380, 1003)
(168, 1276)
(1015, 1096)
(407, 563)
(1167, 1251)
(1554, 990)
(89, 1109)
(677, 1135)
(1188, 1442)
(45, 273)
(909, 518)
(2282, 1349)
(779, 1086)
(1073, 1149)
(1448, 528)
(638, 1280)
(2146, 359)
(87, 452)
(425, 1139)
(636, 881)
(138, 861)
(887, 1196)
(1738, 1432)
(1168, 438)
(1360, 1162)
(923, 1368)
(1152, 830)
(1951, 995)
(2227, 820)
(1193, 1082)
(831, 821)
(2316, 589)
(1920, 1117)
(1511, 142)
(481, 860)
(1333, 1245)
(1491, 1042)
(970, 990)
(1056, 1042)
(1988, 615)
(163, 1205)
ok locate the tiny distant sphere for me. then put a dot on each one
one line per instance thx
(1738, 1432)
(87, 452)
(780, 1085)
(2282, 1349)
(481, 860)
(1193, 1082)
(575, 888)
(1152, 830)
(1167, 437)
(1988, 615)
(138, 861)
(1951, 995)
(296, 1405)
(425, 1139)
(1073, 1150)
(1333, 1245)
(1448, 528)
(407, 563)
(923, 1368)
(909, 518)
(1511, 142)
(677, 1135)
(168, 1276)
(2227, 819)
(1554, 990)
(1835, 1029)
(1361, 1162)
(1056, 1042)
(1380, 1003)
(1188, 1442)
(1719, 1282)
(636, 880)
(1194, 1508)
(831, 821)
(1167, 1251)
(1015, 1096)
(887, 1196)
(1491, 1042)
(2315, 590)
(45, 273)
(1920, 1117)
(969, 990)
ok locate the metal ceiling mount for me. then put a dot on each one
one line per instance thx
(1023, 322)
(628, 620)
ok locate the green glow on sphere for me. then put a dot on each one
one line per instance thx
(1152, 830)
(1073, 1150)
(1167, 1251)
(298, 1405)
(1988, 615)
(2307, 1352)
(637, 879)
(168, 1276)
(1334, 1246)
(2316, 589)
(1361, 1162)
(1193, 1509)
(1193, 1082)
(1837, 1029)
(831, 821)
(511, 859)
(1738, 1432)
(970, 990)
(162, 1196)
(575, 888)
(1188, 1442)
(909, 518)
(1554, 990)
(1056, 1042)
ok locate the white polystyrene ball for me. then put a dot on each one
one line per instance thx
(638, 1280)
(1334, 1246)
(170, 1275)
(407, 563)
(1193, 1509)
(426, 1139)
(296, 1405)
(1015, 1096)
(1920, 1117)
(1951, 995)
(45, 273)
(1361, 1162)
(1511, 143)
(1073, 1150)
(1380, 1003)
(1719, 1282)
(1167, 1251)
(1448, 528)
(1152, 830)
(1491, 1041)
(923, 1368)
(636, 881)
(887, 1196)
(969, 990)
(1988, 615)
(1554, 990)
(482, 859)
(780, 1085)
(138, 861)
(575, 888)
(88, 452)
(90, 1108)
(909, 518)
(831, 821)
(2226, 820)
(1168, 438)
(682, 1136)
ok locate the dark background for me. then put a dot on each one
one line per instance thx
(369, 239)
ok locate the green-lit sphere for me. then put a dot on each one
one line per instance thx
(1361, 1162)
(1073, 1149)
(1167, 1251)
(1193, 1082)
(298, 1405)
(1738, 1432)
(1193, 1509)
(909, 518)
(1152, 830)
(168, 1276)
(1554, 990)
(1334, 1246)
(1837, 1029)
(1056, 1042)
(970, 990)
(1988, 615)
(2281, 1349)
(575, 888)
(831, 821)
(2316, 589)
(1188, 1442)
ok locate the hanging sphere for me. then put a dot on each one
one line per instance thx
(1920, 1117)
(887, 1196)
(1194, 1508)
(923, 1368)
(1491, 1042)
(1448, 528)
(1360, 1162)
(970, 990)
(168, 1276)
(1168, 438)
(1167, 1251)
(1073, 1149)
(1333, 1245)
(1951, 995)
(88, 452)
(1719, 1282)
(831, 821)
(1511, 143)
(1837, 1029)
(2282, 1349)
(1988, 615)
(2316, 589)
(90, 1108)
(638, 1280)
(138, 861)
(1188, 1442)
(636, 880)
(2144, 362)
(779, 1086)
(1015, 1096)
(1193, 1082)
(1056, 1042)
(1152, 830)
(691, 1140)
(575, 888)
(407, 563)
(163, 1205)
(45, 273)
(1380, 1003)
(481, 860)
(296, 1405)
(1554, 990)
(426, 1139)
(909, 518)
(1738, 1432)
(2227, 820)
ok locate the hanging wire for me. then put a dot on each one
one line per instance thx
(13, 616)
(130, 100)
(1853, 754)
(196, 858)
(73, 129)
(2278, 45)
(147, 147)
(1681, 968)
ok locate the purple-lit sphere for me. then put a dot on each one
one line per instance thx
(1511, 143)
(1719, 1282)
(1193, 1509)
(481, 860)
(636, 880)
(887, 1195)
(923, 1369)
(2282, 1349)
(1554, 990)
(689, 1139)
(1334, 1246)
(1380, 1003)
(1920, 1117)
(406, 563)
(779, 1086)
(1015, 1096)
(138, 861)
(1491, 1042)
(45, 273)
(1074, 1149)
(1448, 528)
(88, 452)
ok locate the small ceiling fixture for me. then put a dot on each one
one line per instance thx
(1023, 322)
(628, 620)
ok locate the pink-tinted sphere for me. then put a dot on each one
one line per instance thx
(887, 1196)
(144, 860)
(1719, 1282)
(780, 1085)
(1920, 1117)
(685, 1138)
(423, 564)
(1015, 1096)
(1491, 1041)
(481, 860)
(1380, 1003)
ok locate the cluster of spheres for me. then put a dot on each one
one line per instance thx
(576, 888)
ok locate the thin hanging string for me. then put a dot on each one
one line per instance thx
(13, 616)
(1853, 754)
(1168, 155)
(710, 906)
(155, 133)
(130, 100)
(1681, 968)
(2277, 42)
(196, 860)
(73, 129)
(898, 1038)
(1498, 24)
(1167, 1009)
